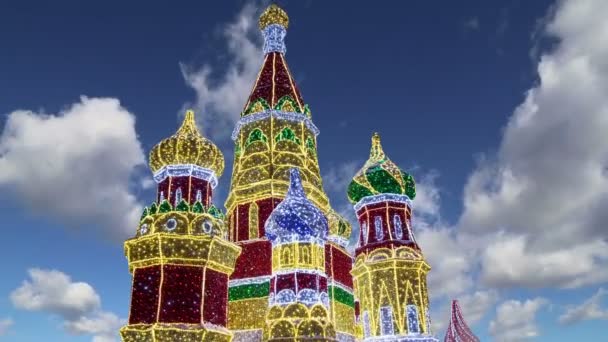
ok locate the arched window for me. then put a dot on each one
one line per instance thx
(367, 329)
(413, 327)
(364, 233)
(398, 227)
(256, 135)
(253, 221)
(178, 196)
(286, 256)
(305, 259)
(199, 195)
(287, 134)
(378, 227)
(161, 197)
(386, 320)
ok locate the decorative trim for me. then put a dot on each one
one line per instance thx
(287, 116)
(180, 170)
(274, 39)
(249, 281)
(367, 200)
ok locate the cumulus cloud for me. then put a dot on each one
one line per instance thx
(544, 196)
(75, 166)
(590, 309)
(516, 320)
(5, 325)
(77, 303)
(220, 101)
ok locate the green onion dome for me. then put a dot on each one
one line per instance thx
(379, 175)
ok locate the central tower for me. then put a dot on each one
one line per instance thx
(275, 134)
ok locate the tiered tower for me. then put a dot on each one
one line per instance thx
(276, 133)
(390, 270)
(180, 257)
(298, 302)
(458, 330)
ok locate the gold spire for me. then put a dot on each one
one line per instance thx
(273, 15)
(376, 154)
(188, 126)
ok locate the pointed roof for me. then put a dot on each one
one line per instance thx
(296, 218)
(274, 86)
(458, 331)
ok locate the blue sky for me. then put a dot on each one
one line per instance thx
(498, 109)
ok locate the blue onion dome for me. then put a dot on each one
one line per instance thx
(380, 175)
(296, 218)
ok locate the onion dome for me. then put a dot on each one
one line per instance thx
(296, 218)
(380, 175)
(273, 15)
(187, 146)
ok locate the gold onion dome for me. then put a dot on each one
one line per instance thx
(273, 15)
(187, 146)
(380, 175)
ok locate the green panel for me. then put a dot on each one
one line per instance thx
(340, 295)
(249, 291)
(410, 185)
(382, 181)
(357, 191)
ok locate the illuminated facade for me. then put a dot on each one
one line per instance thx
(275, 267)
(390, 270)
(276, 133)
(180, 257)
(458, 330)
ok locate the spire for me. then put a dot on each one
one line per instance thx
(188, 126)
(295, 183)
(273, 24)
(376, 154)
(274, 88)
(458, 331)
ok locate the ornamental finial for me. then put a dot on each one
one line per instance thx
(273, 15)
(376, 153)
(188, 126)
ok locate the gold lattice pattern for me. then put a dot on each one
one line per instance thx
(273, 15)
(297, 322)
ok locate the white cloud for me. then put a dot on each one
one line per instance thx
(75, 166)
(588, 310)
(516, 320)
(76, 303)
(5, 325)
(220, 101)
(545, 194)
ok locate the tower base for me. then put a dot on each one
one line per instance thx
(174, 332)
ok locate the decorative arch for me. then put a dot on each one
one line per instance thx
(253, 221)
(398, 226)
(287, 134)
(378, 228)
(256, 135)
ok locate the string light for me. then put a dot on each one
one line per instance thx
(294, 278)
(389, 271)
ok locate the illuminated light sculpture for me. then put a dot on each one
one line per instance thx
(298, 301)
(458, 330)
(180, 258)
(276, 133)
(390, 270)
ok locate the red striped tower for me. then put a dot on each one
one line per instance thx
(458, 330)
